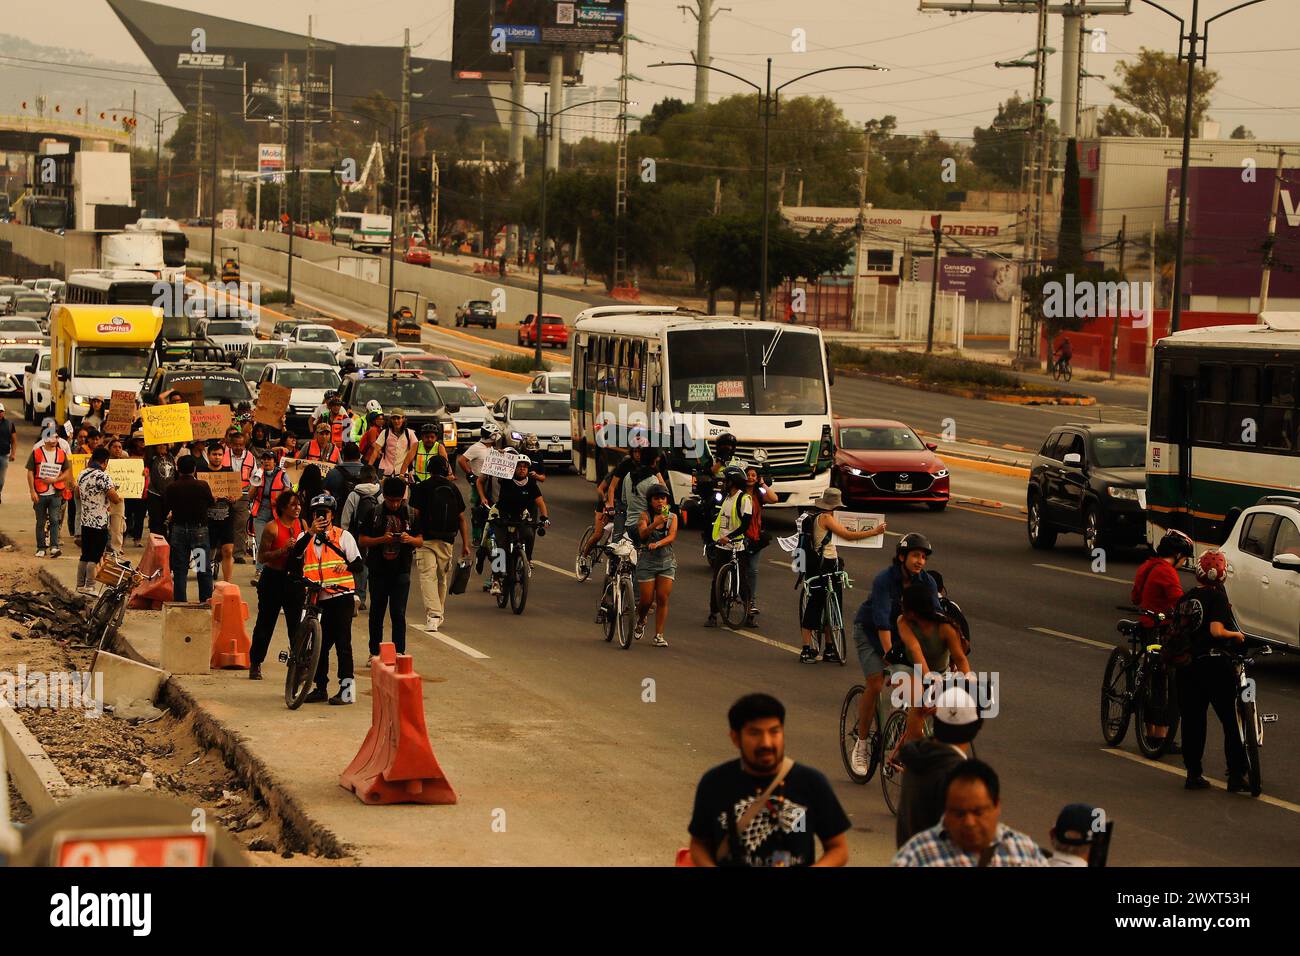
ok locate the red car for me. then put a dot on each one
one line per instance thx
(877, 460)
(417, 256)
(554, 332)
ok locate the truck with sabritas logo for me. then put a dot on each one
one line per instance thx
(97, 349)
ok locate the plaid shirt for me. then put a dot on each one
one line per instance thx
(933, 847)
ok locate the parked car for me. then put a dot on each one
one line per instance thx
(362, 351)
(551, 383)
(14, 360)
(1089, 479)
(879, 460)
(543, 416)
(554, 332)
(1263, 552)
(317, 335)
(476, 312)
(308, 382)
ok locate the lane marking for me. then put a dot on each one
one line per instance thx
(550, 567)
(987, 513)
(455, 644)
(1169, 768)
(1073, 637)
(763, 640)
(1083, 574)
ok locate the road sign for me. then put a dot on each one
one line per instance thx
(229, 219)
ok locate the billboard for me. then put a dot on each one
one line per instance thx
(266, 86)
(472, 56)
(582, 24)
(905, 223)
(979, 280)
(270, 163)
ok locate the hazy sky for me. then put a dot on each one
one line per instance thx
(941, 74)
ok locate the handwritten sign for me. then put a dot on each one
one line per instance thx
(499, 464)
(128, 476)
(272, 403)
(210, 421)
(79, 463)
(191, 390)
(859, 521)
(293, 469)
(121, 412)
(224, 484)
(49, 470)
(164, 424)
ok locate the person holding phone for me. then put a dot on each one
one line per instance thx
(387, 536)
(656, 564)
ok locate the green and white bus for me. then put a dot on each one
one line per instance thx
(1224, 425)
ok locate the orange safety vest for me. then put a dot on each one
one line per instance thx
(337, 425)
(245, 470)
(60, 459)
(326, 565)
(279, 482)
(314, 452)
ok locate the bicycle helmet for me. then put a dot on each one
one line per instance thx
(913, 541)
(490, 431)
(428, 428)
(323, 502)
(734, 474)
(1175, 543)
(531, 443)
(1212, 568)
(374, 408)
(656, 491)
(726, 440)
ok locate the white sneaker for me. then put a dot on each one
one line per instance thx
(860, 759)
(639, 631)
(659, 641)
(432, 623)
(40, 553)
(496, 587)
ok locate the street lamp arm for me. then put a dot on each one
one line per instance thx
(585, 103)
(500, 99)
(830, 69)
(1168, 13)
(715, 69)
(1248, 3)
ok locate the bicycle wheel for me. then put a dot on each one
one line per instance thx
(1069, 372)
(1147, 704)
(1056, 372)
(1116, 696)
(99, 625)
(849, 735)
(1250, 739)
(519, 583)
(304, 658)
(835, 624)
(626, 611)
(503, 579)
(582, 565)
(610, 599)
(726, 589)
(891, 775)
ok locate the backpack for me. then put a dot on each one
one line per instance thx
(348, 480)
(365, 510)
(1185, 621)
(807, 555)
(442, 515)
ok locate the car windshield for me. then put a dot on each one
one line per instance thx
(20, 325)
(307, 378)
(307, 355)
(370, 348)
(1119, 451)
(225, 328)
(252, 370)
(31, 303)
(405, 392)
(461, 395)
(538, 410)
(17, 355)
(263, 350)
(111, 363)
(317, 335)
(720, 371)
(217, 389)
(559, 384)
(883, 438)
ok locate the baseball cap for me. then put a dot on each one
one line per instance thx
(1074, 825)
(397, 413)
(957, 717)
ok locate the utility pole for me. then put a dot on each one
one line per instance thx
(212, 212)
(620, 173)
(434, 188)
(389, 324)
(780, 191)
(482, 202)
(304, 208)
(1027, 339)
(1122, 240)
(198, 156)
(284, 139)
(517, 77)
(937, 223)
(703, 12)
(1270, 243)
(552, 151)
(402, 200)
(860, 227)
(157, 163)
(717, 195)
(297, 177)
(544, 130)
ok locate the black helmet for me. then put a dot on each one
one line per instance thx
(728, 439)
(913, 541)
(1175, 543)
(428, 428)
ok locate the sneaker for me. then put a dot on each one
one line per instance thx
(432, 623)
(753, 610)
(659, 641)
(638, 632)
(256, 578)
(362, 605)
(255, 672)
(808, 655)
(830, 657)
(338, 699)
(239, 558)
(495, 587)
(487, 585)
(712, 621)
(56, 552)
(749, 620)
(317, 696)
(1237, 784)
(40, 553)
(860, 759)
(1196, 783)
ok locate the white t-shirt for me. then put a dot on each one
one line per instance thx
(729, 510)
(474, 455)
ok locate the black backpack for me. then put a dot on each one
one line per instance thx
(1184, 622)
(806, 553)
(363, 513)
(442, 515)
(350, 478)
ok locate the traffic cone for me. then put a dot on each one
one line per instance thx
(230, 641)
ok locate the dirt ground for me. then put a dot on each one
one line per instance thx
(159, 753)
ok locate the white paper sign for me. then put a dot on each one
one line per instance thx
(499, 464)
(49, 470)
(859, 521)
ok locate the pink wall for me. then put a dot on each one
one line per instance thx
(1092, 341)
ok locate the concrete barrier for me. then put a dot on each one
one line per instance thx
(25, 250)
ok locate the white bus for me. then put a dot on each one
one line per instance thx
(362, 230)
(1224, 424)
(688, 378)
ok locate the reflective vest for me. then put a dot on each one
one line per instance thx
(420, 465)
(358, 428)
(279, 483)
(735, 518)
(326, 565)
(41, 485)
(245, 470)
(337, 425)
(314, 452)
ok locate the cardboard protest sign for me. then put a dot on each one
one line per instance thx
(860, 521)
(121, 412)
(79, 463)
(190, 390)
(272, 403)
(128, 475)
(210, 421)
(164, 424)
(224, 484)
(499, 464)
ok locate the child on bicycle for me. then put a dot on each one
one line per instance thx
(825, 559)
(933, 644)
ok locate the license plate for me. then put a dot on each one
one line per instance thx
(556, 449)
(903, 487)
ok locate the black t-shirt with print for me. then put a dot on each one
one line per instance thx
(1214, 607)
(784, 833)
(388, 558)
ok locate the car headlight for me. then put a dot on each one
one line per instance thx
(854, 471)
(1125, 494)
(80, 400)
(941, 473)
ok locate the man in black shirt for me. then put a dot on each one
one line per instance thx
(221, 516)
(186, 502)
(386, 535)
(764, 809)
(439, 513)
(8, 444)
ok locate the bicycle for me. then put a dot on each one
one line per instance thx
(518, 571)
(1061, 369)
(891, 741)
(727, 589)
(110, 607)
(303, 656)
(1131, 686)
(618, 599)
(583, 561)
(1250, 722)
(832, 613)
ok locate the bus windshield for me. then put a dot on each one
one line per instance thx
(719, 371)
(111, 363)
(131, 293)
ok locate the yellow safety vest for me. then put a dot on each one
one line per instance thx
(420, 466)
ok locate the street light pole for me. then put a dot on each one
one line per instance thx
(392, 232)
(544, 131)
(767, 103)
(212, 210)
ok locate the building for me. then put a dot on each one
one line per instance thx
(595, 121)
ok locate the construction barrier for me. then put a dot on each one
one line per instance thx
(396, 763)
(151, 595)
(230, 641)
(626, 293)
(684, 857)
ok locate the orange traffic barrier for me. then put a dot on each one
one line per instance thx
(230, 641)
(151, 595)
(626, 293)
(684, 857)
(396, 763)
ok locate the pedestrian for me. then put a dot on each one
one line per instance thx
(8, 446)
(116, 509)
(243, 462)
(361, 502)
(343, 477)
(656, 565)
(439, 514)
(278, 589)
(329, 560)
(49, 473)
(928, 762)
(416, 461)
(162, 471)
(1074, 835)
(764, 809)
(221, 516)
(756, 538)
(187, 500)
(269, 481)
(310, 483)
(135, 507)
(95, 490)
(95, 416)
(971, 832)
(390, 449)
(1209, 678)
(258, 441)
(321, 447)
(386, 534)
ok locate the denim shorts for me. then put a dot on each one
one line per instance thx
(872, 661)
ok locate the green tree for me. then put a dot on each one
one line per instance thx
(1000, 149)
(1154, 86)
(1242, 133)
(662, 111)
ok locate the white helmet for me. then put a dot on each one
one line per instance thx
(374, 408)
(490, 431)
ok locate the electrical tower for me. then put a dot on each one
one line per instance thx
(1040, 161)
(704, 14)
(620, 171)
(403, 197)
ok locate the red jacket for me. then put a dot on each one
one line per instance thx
(1156, 588)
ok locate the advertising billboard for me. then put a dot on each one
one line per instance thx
(473, 58)
(979, 280)
(270, 163)
(267, 89)
(582, 24)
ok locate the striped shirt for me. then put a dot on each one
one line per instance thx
(933, 847)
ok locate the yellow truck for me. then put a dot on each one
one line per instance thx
(96, 349)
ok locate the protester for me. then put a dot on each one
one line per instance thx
(116, 509)
(971, 832)
(390, 449)
(162, 471)
(386, 536)
(96, 490)
(344, 476)
(764, 809)
(8, 446)
(239, 459)
(1074, 834)
(311, 484)
(187, 501)
(928, 762)
(330, 559)
(49, 472)
(656, 565)
(367, 491)
(278, 589)
(421, 454)
(375, 423)
(135, 507)
(439, 513)
(321, 447)
(269, 482)
(221, 516)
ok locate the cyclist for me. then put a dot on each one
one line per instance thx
(468, 462)
(416, 462)
(875, 628)
(761, 495)
(825, 560)
(1156, 587)
(277, 590)
(515, 496)
(532, 447)
(606, 511)
(709, 481)
(728, 535)
(726, 454)
(656, 565)
(638, 447)
(330, 558)
(1210, 679)
(933, 643)
(1064, 352)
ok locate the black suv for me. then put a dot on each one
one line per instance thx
(406, 389)
(222, 385)
(476, 312)
(1091, 480)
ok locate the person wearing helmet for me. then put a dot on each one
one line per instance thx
(532, 447)
(321, 411)
(875, 628)
(470, 461)
(928, 761)
(361, 420)
(734, 513)
(1156, 587)
(330, 560)
(656, 565)
(1209, 679)
(514, 497)
(416, 462)
(725, 455)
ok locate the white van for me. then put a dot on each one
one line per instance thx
(363, 230)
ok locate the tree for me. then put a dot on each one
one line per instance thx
(1000, 150)
(1154, 86)
(1069, 244)
(1242, 133)
(660, 113)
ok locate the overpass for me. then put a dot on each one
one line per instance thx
(23, 134)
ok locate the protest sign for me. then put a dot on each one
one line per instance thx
(210, 421)
(293, 468)
(272, 403)
(224, 484)
(164, 424)
(121, 412)
(860, 521)
(190, 390)
(79, 463)
(128, 475)
(499, 464)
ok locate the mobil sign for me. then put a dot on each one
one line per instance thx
(1227, 228)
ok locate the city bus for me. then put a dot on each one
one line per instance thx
(687, 378)
(1223, 420)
